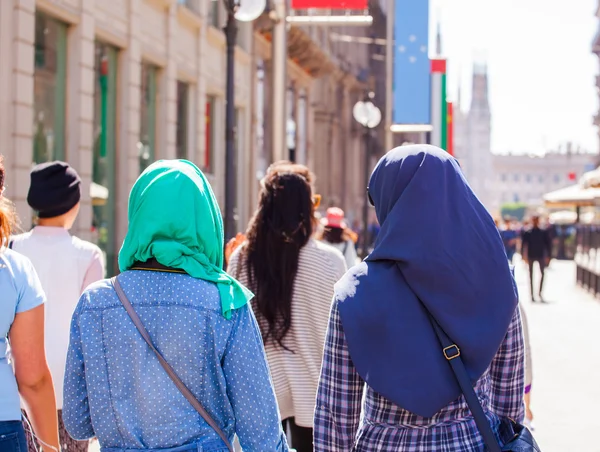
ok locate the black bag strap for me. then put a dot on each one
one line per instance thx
(10, 244)
(452, 355)
(180, 384)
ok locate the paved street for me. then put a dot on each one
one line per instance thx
(565, 339)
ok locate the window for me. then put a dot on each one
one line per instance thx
(194, 5)
(49, 88)
(244, 35)
(209, 150)
(516, 177)
(541, 179)
(503, 177)
(528, 178)
(181, 142)
(556, 178)
(103, 165)
(147, 142)
(214, 13)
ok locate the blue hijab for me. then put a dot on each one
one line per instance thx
(439, 245)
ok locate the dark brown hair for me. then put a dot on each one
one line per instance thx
(281, 226)
(335, 235)
(8, 216)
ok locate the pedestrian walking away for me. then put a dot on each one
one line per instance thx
(386, 384)
(196, 316)
(337, 234)
(54, 194)
(509, 238)
(293, 276)
(536, 247)
(24, 372)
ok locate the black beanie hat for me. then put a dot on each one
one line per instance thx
(55, 189)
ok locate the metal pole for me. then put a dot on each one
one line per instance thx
(279, 98)
(365, 212)
(389, 75)
(230, 148)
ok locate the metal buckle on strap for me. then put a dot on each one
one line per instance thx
(451, 352)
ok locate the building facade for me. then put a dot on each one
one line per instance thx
(526, 179)
(112, 85)
(596, 50)
(472, 137)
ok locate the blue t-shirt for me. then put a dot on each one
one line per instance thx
(21, 291)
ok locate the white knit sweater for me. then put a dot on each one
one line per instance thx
(296, 375)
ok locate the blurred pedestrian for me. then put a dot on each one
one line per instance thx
(195, 314)
(336, 233)
(292, 276)
(25, 372)
(54, 194)
(386, 384)
(528, 370)
(536, 247)
(509, 237)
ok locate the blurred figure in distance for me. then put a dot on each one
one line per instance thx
(337, 234)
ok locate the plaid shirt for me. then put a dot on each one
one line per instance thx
(345, 421)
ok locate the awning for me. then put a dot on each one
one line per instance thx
(97, 191)
(572, 196)
(99, 194)
(591, 179)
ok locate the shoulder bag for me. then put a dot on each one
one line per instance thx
(516, 437)
(180, 384)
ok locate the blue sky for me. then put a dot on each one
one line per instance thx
(541, 71)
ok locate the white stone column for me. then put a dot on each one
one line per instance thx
(21, 106)
(199, 153)
(6, 92)
(128, 106)
(167, 114)
(80, 109)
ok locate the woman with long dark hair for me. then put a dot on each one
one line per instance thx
(292, 276)
(438, 264)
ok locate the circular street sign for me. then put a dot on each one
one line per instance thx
(366, 114)
(249, 10)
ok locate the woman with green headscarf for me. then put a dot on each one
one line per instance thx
(197, 317)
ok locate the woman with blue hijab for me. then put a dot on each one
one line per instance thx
(440, 254)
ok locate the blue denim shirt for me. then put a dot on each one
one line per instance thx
(116, 390)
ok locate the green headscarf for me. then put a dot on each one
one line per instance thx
(174, 217)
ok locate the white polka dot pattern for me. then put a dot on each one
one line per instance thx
(116, 390)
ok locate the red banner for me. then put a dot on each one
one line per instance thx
(330, 4)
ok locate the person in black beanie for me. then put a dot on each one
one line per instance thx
(55, 190)
(65, 264)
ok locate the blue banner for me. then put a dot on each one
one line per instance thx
(412, 91)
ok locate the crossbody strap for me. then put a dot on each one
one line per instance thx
(180, 384)
(452, 354)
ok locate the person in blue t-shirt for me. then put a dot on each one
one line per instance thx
(22, 327)
(509, 238)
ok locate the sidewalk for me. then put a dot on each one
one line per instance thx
(565, 336)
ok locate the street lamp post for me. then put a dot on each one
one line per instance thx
(244, 11)
(368, 116)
